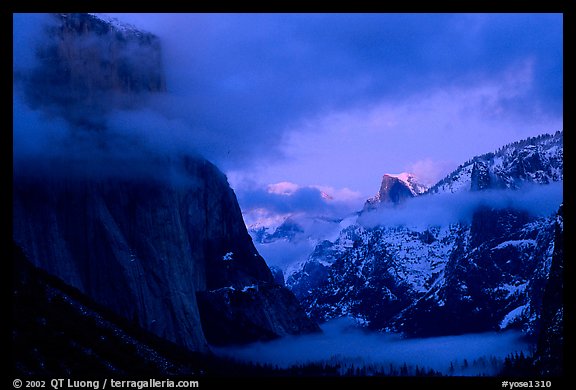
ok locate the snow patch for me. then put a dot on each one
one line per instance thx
(513, 315)
(521, 244)
(251, 287)
(513, 289)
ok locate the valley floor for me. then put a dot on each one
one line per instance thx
(355, 351)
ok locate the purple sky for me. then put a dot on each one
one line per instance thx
(330, 102)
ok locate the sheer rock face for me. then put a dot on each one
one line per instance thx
(140, 247)
(140, 233)
(257, 312)
(550, 350)
(392, 191)
(58, 331)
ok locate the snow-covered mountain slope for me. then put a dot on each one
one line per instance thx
(117, 25)
(287, 243)
(370, 273)
(488, 275)
(484, 271)
(493, 279)
(532, 160)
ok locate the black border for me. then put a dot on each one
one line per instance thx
(566, 7)
(409, 6)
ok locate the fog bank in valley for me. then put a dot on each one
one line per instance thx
(344, 343)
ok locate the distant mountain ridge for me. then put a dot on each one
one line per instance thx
(537, 160)
(488, 273)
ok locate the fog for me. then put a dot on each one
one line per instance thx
(448, 208)
(418, 213)
(287, 255)
(343, 342)
(99, 132)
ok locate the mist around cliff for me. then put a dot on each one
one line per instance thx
(81, 130)
(448, 208)
(87, 129)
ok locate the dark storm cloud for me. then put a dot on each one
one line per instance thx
(249, 77)
(288, 62)
(239, 84)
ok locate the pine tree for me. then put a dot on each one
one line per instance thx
(404, 370)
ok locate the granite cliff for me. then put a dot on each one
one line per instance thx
(144, 235)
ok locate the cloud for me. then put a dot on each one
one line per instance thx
(432, 131)
(28, 32)
(299, 199)
(316, 210)
(428, 171)
(91, 129)
(251, 78)
(240, 86)
(448, 208)
(33, 132)
(285, 198)
(283, 188)
(287, 255)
